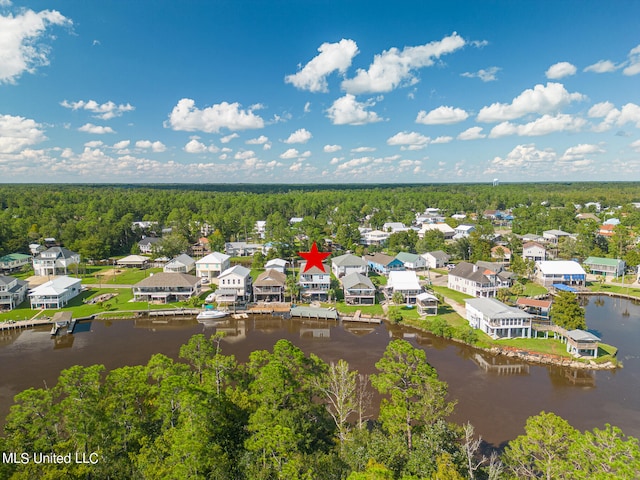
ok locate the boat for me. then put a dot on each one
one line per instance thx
(211, 314)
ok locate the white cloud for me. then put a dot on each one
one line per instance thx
(633, 65)
(293, 153)
(635, 145)
(99, 143)
(579, 152)
(228, 138)
(600, 110)
(524, 156)
(543, 125)
(156, 146)
(302, 135)
(395, 68)
(363, 149)
(347, 111)
(21, 42)
(195, 146)
(409, 140)
(17, 133)
(473, 133)
(629, 113)
(560, 70)
(96, 129)
(488, 75)
(356, 162)
(442, 116)
(442, 139)
(105, 111)
(117, 146)
(307, 107)
(603, 66)
(331, 148)
(336, 160)
(541, 99)
(244, 155)
(332, 57)
(261, 140)
(186, 117)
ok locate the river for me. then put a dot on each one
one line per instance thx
(496, 396)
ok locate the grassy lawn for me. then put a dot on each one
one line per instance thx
(452, 294)
(549, 345)
(351, 309)
(628, 279)
(532, 289)
(596, 287)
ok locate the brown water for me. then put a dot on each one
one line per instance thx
(496, 397)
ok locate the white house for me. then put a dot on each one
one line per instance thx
(234, 284)
(497, 319)
(446, 230)
(427, 303)
(260, 228)
(277, 264)
(147, 243)
(554, 236)
(393, 227)
(411, 261)
(374, 237)
(55, 293)
(405, 282)
(437, 259)
(181, 264)
(473, 280)
(462, 231)
(315, 282)
(534, 251)
(348, 263)
(12, 292)
(55, 261)
(564, 272)
(212, 265)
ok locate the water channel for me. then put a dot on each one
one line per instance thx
(495, 395)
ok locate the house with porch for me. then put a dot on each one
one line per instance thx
(609, 267)
(315, 282)
(181, 264)
(55, 261)
(212, 265)
(427, 304)
(383, 264)
(405, 282)
(14, 261)
(243, 249)
(201, 248)
(565, 272)
(234, 285)
(473, 280)
(347, 264)
(411, 261)
(436, 259)
(374, 237)
(497, 319)
(166, 287)
(358, 289)
(55, 293)
(554, 236)
(534, 251)
(581, 343)
(540, 309)
(133, 261)
(148, 244)
(12, 292)
(269, 286)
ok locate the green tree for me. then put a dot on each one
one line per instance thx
(431, 241)
(567, 313)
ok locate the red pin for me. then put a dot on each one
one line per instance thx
(314, 258)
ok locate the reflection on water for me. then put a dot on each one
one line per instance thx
(496, 394)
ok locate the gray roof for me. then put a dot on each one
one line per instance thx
(182, 259)
(164, 279)
(149, 240)
(353, 279)
(238, 270)
(270, 278)
(440, 255)
(496, 309)
(582, 336)
(60, 252)
(466, 270)
(380, 258)
(348, 260)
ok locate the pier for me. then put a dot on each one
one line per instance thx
(314, 312)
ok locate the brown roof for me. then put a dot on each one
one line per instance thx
(531, 302)
(532, 244)
(166, 279)
(271, 278)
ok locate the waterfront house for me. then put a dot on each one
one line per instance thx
(564, 272)
(405, 282)
(234, 285)
(427, 304)
(358, 289)
(610, 267)
(55, 293)
(582, 344)
(383, 264)
(166, 287)
(348, 263)
(540, 309)
(411, 261)
(212, 265)
(473, 280)
(148, 244)
(12, 292)
(133, 261)
(315, 282)
(437, 259)
(55, 261)
(181, 264)
(497, 319)
(269, 286)
(534, 251)
(14, 261)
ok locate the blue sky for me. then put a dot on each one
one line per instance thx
(319, 91)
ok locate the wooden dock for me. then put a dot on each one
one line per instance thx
(185, 312)
(20, 324)
(358, 317)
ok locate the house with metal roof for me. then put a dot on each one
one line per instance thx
(212, 265)
(427, 303)
(497, 319)
(411, 261)
(581, 343)
(611, 267)
(55, 293)
(181, 264)
(405, 282)
(12, 292)
(234, 285)
(436, 259)
(559, 272)
(277, 264)
(14, 261)
(358, 289)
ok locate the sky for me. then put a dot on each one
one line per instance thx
(312, 91)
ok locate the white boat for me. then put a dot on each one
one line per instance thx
(209, 314)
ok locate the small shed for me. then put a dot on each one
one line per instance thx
(133, 261)
(581, 343)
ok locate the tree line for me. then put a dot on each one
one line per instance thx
(285, 415)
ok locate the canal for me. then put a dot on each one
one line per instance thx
(495, 395)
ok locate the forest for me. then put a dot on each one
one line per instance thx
(285, 415)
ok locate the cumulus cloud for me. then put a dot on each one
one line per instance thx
(629, 113)
(302, 135)
(635, 145)
(228, 138)
(17, 133)
(104, 111)
(332, 57)
(541, 99)
(186, 117)
(261, 140)
(473, 133)
(363, 149)
(580, 152)
(117, 146)
(395, 68)
(560, 70)
(524, 156)
(603, 66)
(195, 146)
(442, 139)
(96, 129)
(633, 64)
(331, 148)
(294, 153)
(543, 125)
(356, 162)
(488, 75)
(156, 146)
(348, 111)
(409, 140)
(442, 116)
(22, 48)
